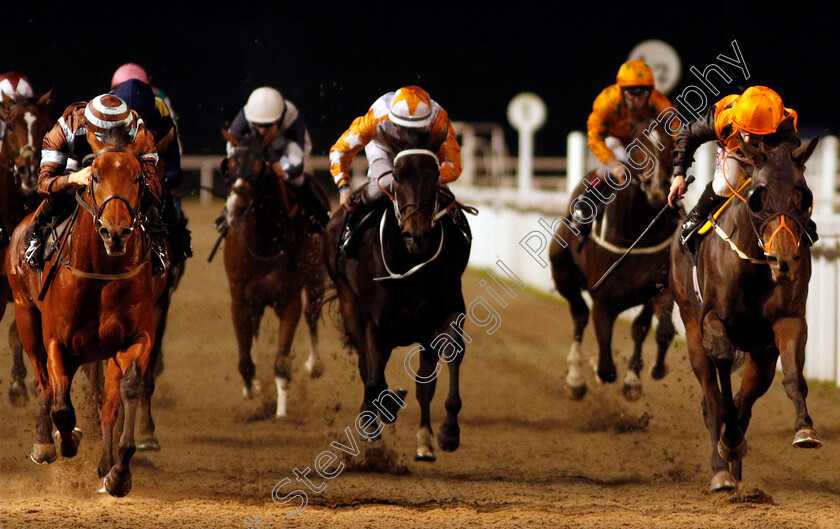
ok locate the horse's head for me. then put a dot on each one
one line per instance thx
(416, 185)
(27, 123)
(779, 204)
(650, 159)
(244, 170)
(116, 186)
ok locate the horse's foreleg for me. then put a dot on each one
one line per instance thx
(603, 317)
(632, 389)
(28, 321)
(62, 413)
(108, 417)
(17, 388)
(665, 331)
(289, 316)
(118, 480)
(314, 300)
(245, 321)
(575, 384)
(426, 382)
(758, 376)
(791, 334)
(704, 370)
(372, 361)
(451, 352)
(732, 445)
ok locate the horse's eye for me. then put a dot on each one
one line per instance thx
(756, 199)
(802, 198)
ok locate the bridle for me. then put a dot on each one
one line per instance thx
(27, 152)
(399, 209)
(96, 210)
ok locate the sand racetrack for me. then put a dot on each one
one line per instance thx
(529, 456)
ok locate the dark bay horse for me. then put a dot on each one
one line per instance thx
(641, 279)
(271, 260)
(98, 307)
(27, 122)
(748, 293)
(404, 287)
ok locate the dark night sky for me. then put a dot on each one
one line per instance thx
(334, 59)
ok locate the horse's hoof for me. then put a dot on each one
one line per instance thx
(17, 394)
(315, 368)
(373, 439)
(806, 438)
(253, 391)
(72, 448)
(115, 486)
(425, 453)
(723, 481)
(148, 444)
(658, 372)
(576, 392)
(632, 392)
(33, 388)
(43, 454)
(425, 450)
(732, 454)
(448, 443)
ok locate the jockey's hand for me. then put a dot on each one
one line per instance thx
(278, 170)
(678, 187)
(80, 178)
(344, 199)
(618, 171)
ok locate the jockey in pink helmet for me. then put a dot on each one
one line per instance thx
(14, 86)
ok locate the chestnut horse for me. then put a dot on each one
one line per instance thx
(27, 122)
(271, 260)
(748, 292)
(404, 287)
(641, 279)
(98, 307)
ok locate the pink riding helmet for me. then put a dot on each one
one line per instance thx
(128, 71)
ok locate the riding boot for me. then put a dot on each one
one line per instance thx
(359, 208)
(157, 237)
(708, 202)
(46, 216)
(176, 226)
(316, 214)
(220, 224)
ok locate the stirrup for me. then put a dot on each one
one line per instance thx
(345, 240)
(34, 253)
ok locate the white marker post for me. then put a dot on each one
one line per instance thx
(526, 112)
(662, 59)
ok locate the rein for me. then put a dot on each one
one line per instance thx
(413, 269)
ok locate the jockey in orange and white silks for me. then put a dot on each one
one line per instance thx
(756, 116)
(405, 115)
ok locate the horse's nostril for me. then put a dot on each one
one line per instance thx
(126, 232)
(103, 231)
(784, 267)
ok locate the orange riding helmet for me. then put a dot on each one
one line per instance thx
(759, 110)
(634, 73)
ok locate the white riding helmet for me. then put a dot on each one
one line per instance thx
(264, 106)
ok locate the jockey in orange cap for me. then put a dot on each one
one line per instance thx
(407, 118)
(617, 108)
(757, 116)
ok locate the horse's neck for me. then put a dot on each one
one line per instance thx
(628, 214)
(268, 214)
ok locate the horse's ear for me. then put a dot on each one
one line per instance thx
(801, 154)
(45, 100)
(437, 140)
(6, 104)
(95, 144)
(233, 140)
(166, 141)
(756, 156)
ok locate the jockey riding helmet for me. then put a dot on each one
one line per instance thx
(411, 107)
(129, 71)
(759, 110)
(264, 106)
